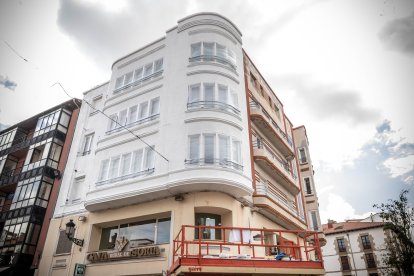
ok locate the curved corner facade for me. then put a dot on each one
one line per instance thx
(161, 178)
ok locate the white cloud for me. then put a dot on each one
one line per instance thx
(400, 166)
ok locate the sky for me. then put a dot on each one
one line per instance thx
(340, 67)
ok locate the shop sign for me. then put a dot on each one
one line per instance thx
(120, 253)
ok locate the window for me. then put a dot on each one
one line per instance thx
(209, 148)
(113, 167)
(125, 163)
(149, 158)
(194, 149)
(211, 51)
(158, 65)
(302, 156)
(138, 73)
(194, 93)
(155, 106)
(103, 172)
(308, 187)
(345, 263)
(32, 191)
(128, 78)
(137, 161)
(132, 114)
(366, 244)
(152, 231)
(341, 245)
(147, 70)
(47, 122)
(204, 219)
(119, 82)
(64, 245)
(224, 147)
(76, 190)
(369, 257)
(113, 122)
(122, 117)
(95, 104)
(236, 151)
(196, 50)
(87, 144)
(143, 110)
(314, 220)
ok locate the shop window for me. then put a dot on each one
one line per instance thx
(205, 219)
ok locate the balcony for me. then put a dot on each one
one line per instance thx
(275, 166)
(224, 163)
(268, 196)
(213, 105)
(270, 128)
(214, 59)
(246, 251)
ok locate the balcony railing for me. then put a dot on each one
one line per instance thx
(139, 122)
(213, 58)
(263, 188)
(262, 144)
(256, 105)
(124, 177)
(214, 162)
(246, 247)
(212, 105)
(139, 81)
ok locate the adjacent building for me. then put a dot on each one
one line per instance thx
(33, 155)
(183, 163)
(354, 247)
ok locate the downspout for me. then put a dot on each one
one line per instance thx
(352, 254)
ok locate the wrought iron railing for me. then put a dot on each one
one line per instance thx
(138, 122)
(213, 58)
(214, 162)
(212, 105)
(139, 81)
(127, 176)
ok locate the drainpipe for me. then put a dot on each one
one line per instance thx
(352, 254)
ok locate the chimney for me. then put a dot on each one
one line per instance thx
(331, 223)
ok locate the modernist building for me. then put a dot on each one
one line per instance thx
(33, 154)
(354, 247)
(308, 183)
(183, 163)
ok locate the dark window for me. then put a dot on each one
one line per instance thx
(370, 260)
(308, 186)
(302, 156)
(64, 245)
(345, 263)
(203, 219)
(365, 242)
(341, 245)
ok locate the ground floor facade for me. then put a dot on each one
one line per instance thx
(195, 233)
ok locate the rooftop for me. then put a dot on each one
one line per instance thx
(347, 226)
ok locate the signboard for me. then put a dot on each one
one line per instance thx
(79, 270)
(121, 253)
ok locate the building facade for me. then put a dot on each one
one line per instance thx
(308, 183)
(183, 163)
(33, 155)
(354, 247)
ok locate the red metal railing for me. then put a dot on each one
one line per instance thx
(272, 246)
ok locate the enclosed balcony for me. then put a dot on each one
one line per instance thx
(271, 129)
(246, 251)
(274, 165)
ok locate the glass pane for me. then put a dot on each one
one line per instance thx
(108, 238)
(196, 50)
(122, 117)
(158, 65)
(222, 94)
(194, 147)
(128, 78)
(104, 170)
(208, 49)
(209, 94)
(126, 162)
(138, 74)
(194, 93)
(236, 152)
(143, 110)
(113, 167)
(224, 144)
(209, 148)
(163, 230)
(137, 161)
(221, 51)
(148, 70)
(149, 159)
(155, 106)
(132, 114)
(119, 82)
(142, 232)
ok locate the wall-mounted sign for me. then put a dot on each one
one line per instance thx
(120, 253)
(79, 270)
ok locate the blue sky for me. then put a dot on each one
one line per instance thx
(342, 68)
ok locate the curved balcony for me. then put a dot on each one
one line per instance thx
(270, 128)
(274, 166)
(213, 105)
(247, 251)
(224, 163)
(214, 59)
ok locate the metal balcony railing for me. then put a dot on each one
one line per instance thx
(238, 246)
(139, 81)
(213, 58)
(124, 177)
(263, 144)
(138, 122)
(255, 105)
(214, 162)
(212, 105)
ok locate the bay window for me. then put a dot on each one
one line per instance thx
(212, 52)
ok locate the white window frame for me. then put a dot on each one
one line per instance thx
(300, 157)
(310, 185)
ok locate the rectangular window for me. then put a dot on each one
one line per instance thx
(314, 221)
(370, 260)
(224, 148)
(302, 156)
(203, 219)
(221, 51)
(209, 94)
(158, 65)
(308, 187)
(149, 158)
(209, 148)
(87, 144)
(341, 245)
(194, 93)
(119, 82)
(113, 122)
(132, 114)
(208, 49)
(194, 154)
(128, 78)
(123, 117)
(236, 148)
(163, 230)
(155, 106)
(103, 172)
(148, 70)
(64, 245)
(76, 190)
(125, 163)
(114, 167)
(143, 110)
(196, 50)
(345, 263)
(137, 161)
(234, 99)
(222, 94)
(138, 74)
(366, 244)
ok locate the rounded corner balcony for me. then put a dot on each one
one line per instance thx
(247, 251)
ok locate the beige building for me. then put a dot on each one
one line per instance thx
(183, 163)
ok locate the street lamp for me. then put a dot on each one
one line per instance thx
(70, 232)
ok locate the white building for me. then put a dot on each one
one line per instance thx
(354, 247)
(193, 171)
